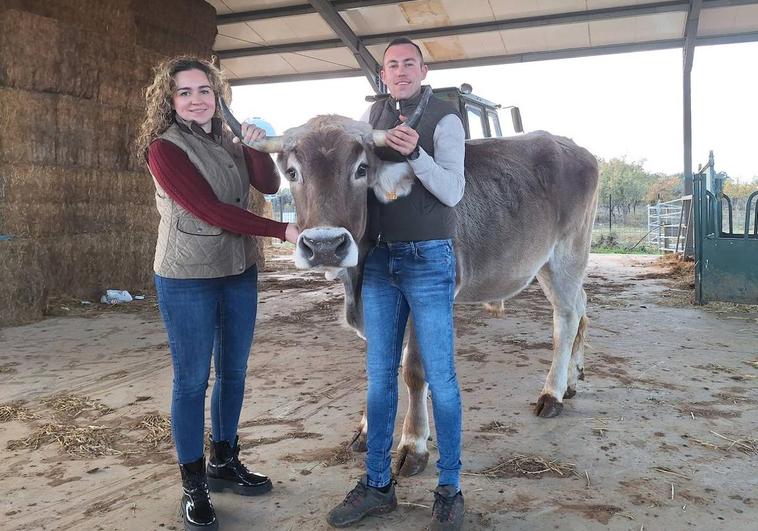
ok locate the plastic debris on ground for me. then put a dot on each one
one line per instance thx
(116, 296)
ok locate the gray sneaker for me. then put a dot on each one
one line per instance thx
(447, 514)
(362, 501)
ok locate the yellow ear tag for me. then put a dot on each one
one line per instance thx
(391, 196)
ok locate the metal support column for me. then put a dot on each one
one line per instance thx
(688, 53)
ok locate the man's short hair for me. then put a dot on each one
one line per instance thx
(403, 40)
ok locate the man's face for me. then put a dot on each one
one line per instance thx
(403, 71)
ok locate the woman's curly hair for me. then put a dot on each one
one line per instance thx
(159, 94)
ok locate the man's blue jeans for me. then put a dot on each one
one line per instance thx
(207, 317)
(398, 278)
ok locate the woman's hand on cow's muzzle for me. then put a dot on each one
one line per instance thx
(291, 233)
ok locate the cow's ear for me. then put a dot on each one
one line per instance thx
(391, 180)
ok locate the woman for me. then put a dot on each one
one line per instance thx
(205, 269)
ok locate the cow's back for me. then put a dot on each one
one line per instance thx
(523, 194)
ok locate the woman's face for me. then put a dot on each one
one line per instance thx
(193, 98)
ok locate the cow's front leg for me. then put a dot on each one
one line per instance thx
(412, 452)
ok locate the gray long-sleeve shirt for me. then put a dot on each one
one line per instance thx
(442, 174)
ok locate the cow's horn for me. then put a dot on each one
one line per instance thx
(414, 119)
(380, 137)
(271, 144)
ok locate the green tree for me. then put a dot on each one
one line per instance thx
(623, 185)
(664, 188)
(737, 190)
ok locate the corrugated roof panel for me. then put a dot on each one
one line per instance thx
(334, 59)
(505, 9)
(280, 30)
(224, 7)
(444, 49)
(737, 19)
(637, 29)
(437, 13)
(331, 60)
(482, 44)
(258, 66)
(602, 4)
(545, 38)
(376, 19)
(240, 35)
(414, 15)
(611, 28)
(377, 50)
(468, 12)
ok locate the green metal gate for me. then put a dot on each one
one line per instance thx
(726, 260)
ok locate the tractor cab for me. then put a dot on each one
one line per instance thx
(480, 116)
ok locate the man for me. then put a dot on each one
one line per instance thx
(411, 270)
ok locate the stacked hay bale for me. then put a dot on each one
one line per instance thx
(77, 213)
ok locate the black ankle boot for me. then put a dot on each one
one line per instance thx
(226, 472)
(197, 509)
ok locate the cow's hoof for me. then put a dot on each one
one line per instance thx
(570, 393)
(548, 407)
(581, 373)
(358, 444)
(409, 462)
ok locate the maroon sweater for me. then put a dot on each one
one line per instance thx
(183, 183)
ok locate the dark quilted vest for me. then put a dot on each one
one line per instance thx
(419, 215)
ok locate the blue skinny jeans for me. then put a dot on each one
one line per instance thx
(207, 318)
(418, 278)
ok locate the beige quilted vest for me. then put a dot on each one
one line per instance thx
(188, 247)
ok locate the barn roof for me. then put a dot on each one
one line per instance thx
(264, 41)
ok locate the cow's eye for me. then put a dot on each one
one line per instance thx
(361, 172)
(291, 174)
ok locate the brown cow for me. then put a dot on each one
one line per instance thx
(527, 211)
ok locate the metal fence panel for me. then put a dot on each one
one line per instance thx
(666, 226)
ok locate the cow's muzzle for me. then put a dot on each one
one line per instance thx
(325, 247)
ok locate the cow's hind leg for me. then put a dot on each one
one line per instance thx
(561, 280)
(412, 451)
(358, 444)
(576, 364)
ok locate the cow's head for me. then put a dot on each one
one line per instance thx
(330, 164)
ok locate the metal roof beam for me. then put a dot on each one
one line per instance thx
(569, 53)
(536, 21)
(292, 47)
(262, 14)
(300, 9)
(284, 78)
(344, 5)
(483, 27)
(353, 43)
(479, 27)
(710, 4)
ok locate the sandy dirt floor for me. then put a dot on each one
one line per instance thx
(661, 435)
